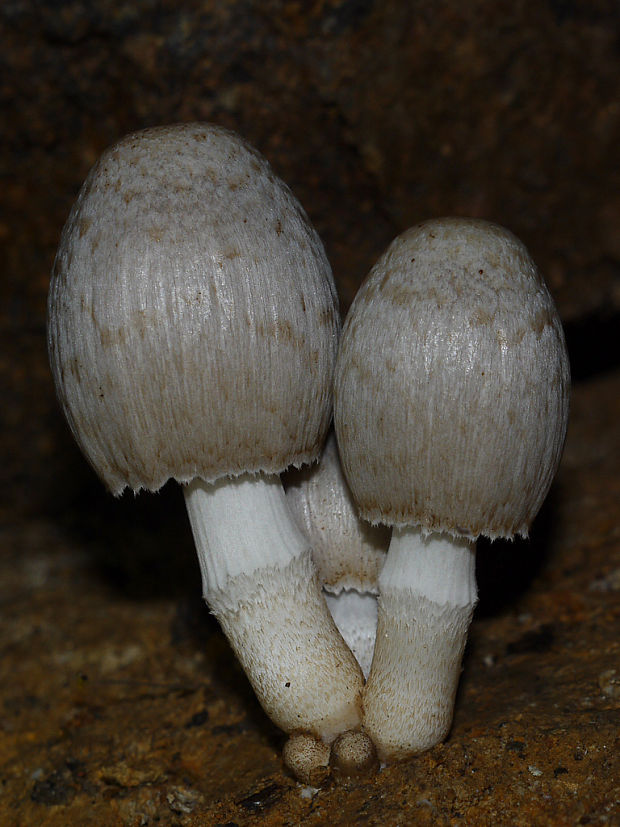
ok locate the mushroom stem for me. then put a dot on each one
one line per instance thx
(259, 581)
(427, 595)
(355, 615)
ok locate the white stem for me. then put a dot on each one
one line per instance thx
(259, 580)
(355, 615)
(427, 595)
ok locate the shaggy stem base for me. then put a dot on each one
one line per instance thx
(427, 594)
(260, 582)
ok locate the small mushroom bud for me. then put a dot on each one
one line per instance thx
(353, 753)
(451, 405)
(307, 758)
(193, 326)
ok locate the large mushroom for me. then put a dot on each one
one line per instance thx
(451, 405)
(192, 329)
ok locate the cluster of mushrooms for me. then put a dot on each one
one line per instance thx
(194, 334)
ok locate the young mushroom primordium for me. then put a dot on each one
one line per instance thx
(192, 331)
(450, 407)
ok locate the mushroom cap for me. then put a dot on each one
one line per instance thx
(452, 383)
(347, 551)
(192, 316)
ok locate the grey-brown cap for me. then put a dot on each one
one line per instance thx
(452, 383)
(192, 319)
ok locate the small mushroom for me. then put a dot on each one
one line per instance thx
(451, 404)
(192, 330)
(348, 552)
(353, 753)
(308, 759)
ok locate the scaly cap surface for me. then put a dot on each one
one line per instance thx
(452, 383)
(192, 317)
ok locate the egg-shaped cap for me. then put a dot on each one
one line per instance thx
(452, 383)
(192, 317)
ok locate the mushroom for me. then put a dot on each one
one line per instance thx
(192, 331)
(450, 404)
(348, 552)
